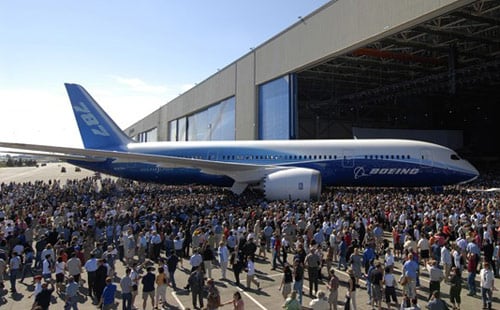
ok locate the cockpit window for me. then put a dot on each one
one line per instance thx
(454, 157)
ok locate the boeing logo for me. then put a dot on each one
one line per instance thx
(409, 171)
(359, 172)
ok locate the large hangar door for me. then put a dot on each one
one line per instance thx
(278, 109)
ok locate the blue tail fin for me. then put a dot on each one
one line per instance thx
(97, 129)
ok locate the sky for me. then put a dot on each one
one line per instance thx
(131, 56)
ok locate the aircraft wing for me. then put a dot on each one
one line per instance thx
(240, 172)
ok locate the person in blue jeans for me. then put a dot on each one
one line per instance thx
(487, 279)
(471, 277)
(71, 294)
(343, 254)
(298, 278)
(14, 267)
(371, 267)
(126, 285)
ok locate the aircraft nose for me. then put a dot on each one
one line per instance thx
(472, 171)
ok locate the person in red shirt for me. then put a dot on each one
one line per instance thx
(347, 238)
(471, 269)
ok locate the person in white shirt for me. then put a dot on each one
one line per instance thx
(49, 250)
(195, 260)
(47, 268)
(487, 280)
(424, 247)
(178, 242)
(60, 267)
(135, 277)
(456, 255)
(251, 273)
(462, 244)
(223, 258)
(390, 287)
(446, 261)
(320, 303)
(91, 267)
(389, 259)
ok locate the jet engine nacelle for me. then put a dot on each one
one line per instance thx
(293, 184)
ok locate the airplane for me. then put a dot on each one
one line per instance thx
(282, 169)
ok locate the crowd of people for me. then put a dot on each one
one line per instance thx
(69, 237)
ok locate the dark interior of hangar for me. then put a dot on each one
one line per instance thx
(443, 74)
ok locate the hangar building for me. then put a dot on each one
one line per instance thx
(425, 69)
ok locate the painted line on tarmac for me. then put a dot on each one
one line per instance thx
(252, 299)
(178, 300)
